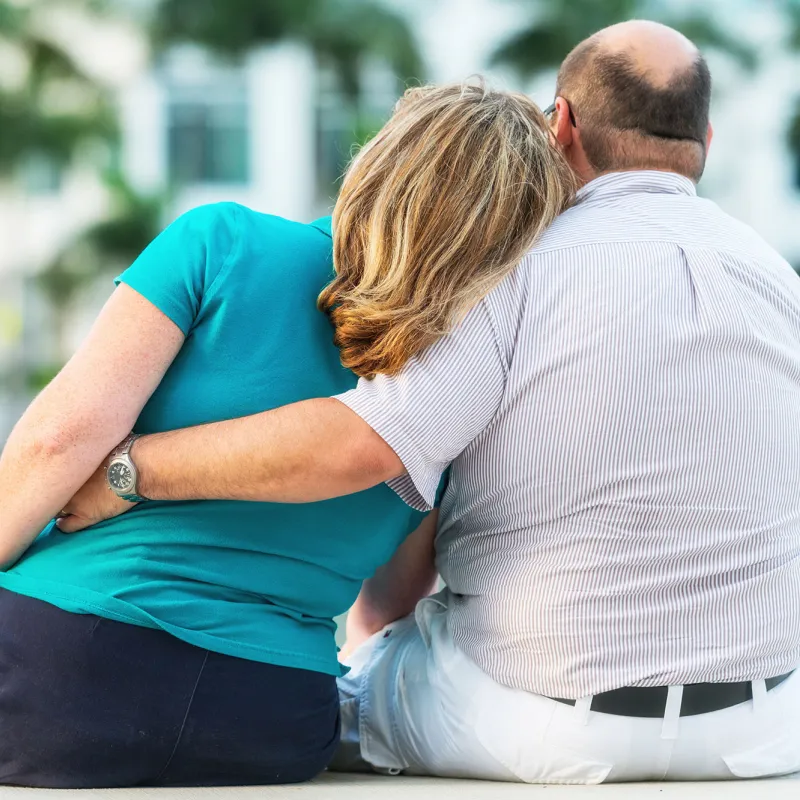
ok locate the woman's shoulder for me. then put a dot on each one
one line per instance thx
(258, 232)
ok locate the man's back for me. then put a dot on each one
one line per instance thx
(630, 516)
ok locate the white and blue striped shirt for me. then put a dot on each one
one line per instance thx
(622, 416)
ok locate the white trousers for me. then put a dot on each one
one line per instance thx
(414, 703)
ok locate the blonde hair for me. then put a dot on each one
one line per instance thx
(433, 213)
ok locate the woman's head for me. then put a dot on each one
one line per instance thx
(433, 213)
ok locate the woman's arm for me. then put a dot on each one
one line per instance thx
(396, 588)
(77, 420)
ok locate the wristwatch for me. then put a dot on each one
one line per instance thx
(122, 475)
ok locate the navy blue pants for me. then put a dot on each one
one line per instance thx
(86, 702)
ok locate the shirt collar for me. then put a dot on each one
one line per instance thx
(619, 184)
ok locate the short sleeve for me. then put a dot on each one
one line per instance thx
(181, 265)
(437, 406)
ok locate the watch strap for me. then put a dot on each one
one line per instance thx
(134, 498)
(124, 447)
(122, 450)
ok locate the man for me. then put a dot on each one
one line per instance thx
(620, 536)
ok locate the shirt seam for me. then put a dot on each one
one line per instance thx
(175, 312)
(317, 227)
(233, 255)
(496, 338)
(506, 369)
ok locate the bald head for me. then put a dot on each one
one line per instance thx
(655, 52)
(640, 92)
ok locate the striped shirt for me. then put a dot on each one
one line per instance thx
(622, 415)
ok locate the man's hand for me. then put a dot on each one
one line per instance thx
(93, 503)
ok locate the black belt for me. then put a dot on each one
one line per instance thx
(651, 701)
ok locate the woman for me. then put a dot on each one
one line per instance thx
(193, 643)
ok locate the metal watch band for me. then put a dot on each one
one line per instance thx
(134, 498)
(123, 449)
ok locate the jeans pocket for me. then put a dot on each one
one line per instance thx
(777, 757)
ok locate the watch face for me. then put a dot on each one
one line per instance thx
(120, 477)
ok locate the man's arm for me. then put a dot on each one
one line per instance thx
(309, 451)
(395, 589)
(413, 424)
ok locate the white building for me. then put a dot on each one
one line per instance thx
(272, 133)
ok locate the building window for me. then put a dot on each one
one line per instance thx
(344, 123)
(336, 135)
(209, 137)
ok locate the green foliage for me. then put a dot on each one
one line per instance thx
(36, 378)
(558, 25)
(107, 246)
(13, 20)
(135, 221)
(701, 28)
(363, 128)
(341, 33)
(345, 33)
(234, 27)
(793, 140)
(49, 110)
(28, 124)
(791, 9)
(794, 129)
(26, 132)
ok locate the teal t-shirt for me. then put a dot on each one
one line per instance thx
(255, 580)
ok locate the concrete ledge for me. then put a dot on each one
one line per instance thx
(352, 787)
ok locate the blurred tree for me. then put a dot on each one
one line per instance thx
(107, 247)
(341, 33)
(49, 105)
(792, 10)
(558, 25)
(793, 139)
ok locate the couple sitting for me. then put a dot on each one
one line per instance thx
(580, 410)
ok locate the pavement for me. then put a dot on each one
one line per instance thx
(367, 787)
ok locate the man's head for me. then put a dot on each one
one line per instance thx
(634, 96)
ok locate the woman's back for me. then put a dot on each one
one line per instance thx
(433, 213)
(253, 580)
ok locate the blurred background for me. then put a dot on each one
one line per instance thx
(118, 115)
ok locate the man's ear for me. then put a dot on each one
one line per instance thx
(709, 136)
(562, 125)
